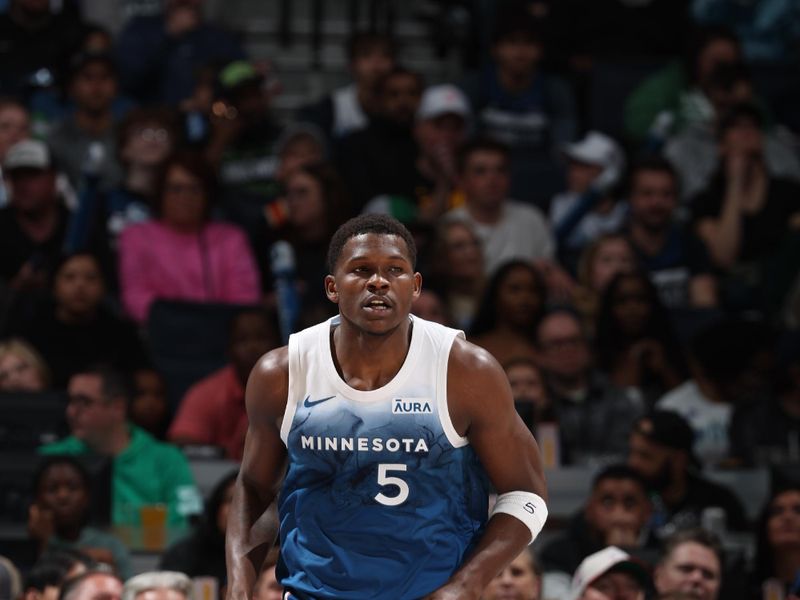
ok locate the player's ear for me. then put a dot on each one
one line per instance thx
(417, 285)
(330, 289)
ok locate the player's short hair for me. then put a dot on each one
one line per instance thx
(372, 223)
(695, 535)
(620, 472)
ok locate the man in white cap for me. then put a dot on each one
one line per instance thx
(587, 208)
(440, 128)
(610, 574)
(32, 226)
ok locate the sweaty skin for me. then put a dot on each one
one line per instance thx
(370, 346)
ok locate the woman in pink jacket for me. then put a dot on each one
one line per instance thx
(181, 254)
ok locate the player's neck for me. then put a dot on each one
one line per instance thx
(368, 362)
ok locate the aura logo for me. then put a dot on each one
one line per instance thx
(411, 406)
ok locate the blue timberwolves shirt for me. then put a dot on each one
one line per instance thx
(382, 498)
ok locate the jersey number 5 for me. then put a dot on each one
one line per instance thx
(385, 479)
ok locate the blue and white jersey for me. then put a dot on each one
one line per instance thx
(382, 498)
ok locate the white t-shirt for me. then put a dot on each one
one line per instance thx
(521, 232)
(709, 420)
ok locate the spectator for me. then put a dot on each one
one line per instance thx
(15, 126)
(676, 260)
(155, 585)
(92, 585)
(316, 204)
(45, 578)
(778, 542)
(439, 130)
(769, 30)
(33, 226)
(587, 208)
(691, 564)
(370, 57)
(660, 448)
(635, 345)
(767, 432)
(430, 306)
(75, 329)
(35, 40)
(158, 55)
(300, 144)
(520, 580)
(243, 143)
(529, 391)
(507, 229)
(617, 513)
(10, 579)
(145, 471)
(593, 417)
(517, 104)
(746, 215)
(202, 552)
(512, 305)
(692, 150)
(213, 410)
(145, 139)
(669, 90)
(84, 142)
(150, 407)
(181, 255)
(380, 159)
(457, 270)
(600, 262)
(726, 360)
(59, 516)
(22, 368)
(610, 574)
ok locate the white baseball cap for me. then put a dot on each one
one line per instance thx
(596, 149)
(443, 99)
(27, 154)
(598, 564)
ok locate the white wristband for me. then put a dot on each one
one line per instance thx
(525, 506)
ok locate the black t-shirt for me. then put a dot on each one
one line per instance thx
(762, 232)
(701, 494)
(16, 248)
(682, 257)
(765, 434)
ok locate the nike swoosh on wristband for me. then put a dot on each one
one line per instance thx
(308, 403)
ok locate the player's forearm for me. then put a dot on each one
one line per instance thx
(502, 541)
(251, 532)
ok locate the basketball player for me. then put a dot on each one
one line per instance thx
(389, 426)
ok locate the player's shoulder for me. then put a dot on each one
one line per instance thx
(471, 361)
(274, 363)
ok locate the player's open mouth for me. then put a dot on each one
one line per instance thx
(377, 305)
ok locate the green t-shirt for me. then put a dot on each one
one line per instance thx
(146, 472)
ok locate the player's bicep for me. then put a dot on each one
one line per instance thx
(501, 440)
(264, 453)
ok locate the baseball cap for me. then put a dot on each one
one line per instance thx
(595, 149)
(444, 99)
(598, 564)
(669, 429)
(27, 154)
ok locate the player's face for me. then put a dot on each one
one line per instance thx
(374, 283)
(691, 569)
(518, 581)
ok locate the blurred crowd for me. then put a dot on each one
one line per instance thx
(606, 198)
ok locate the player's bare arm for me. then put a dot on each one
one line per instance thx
(250, 532)
(482, 409)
